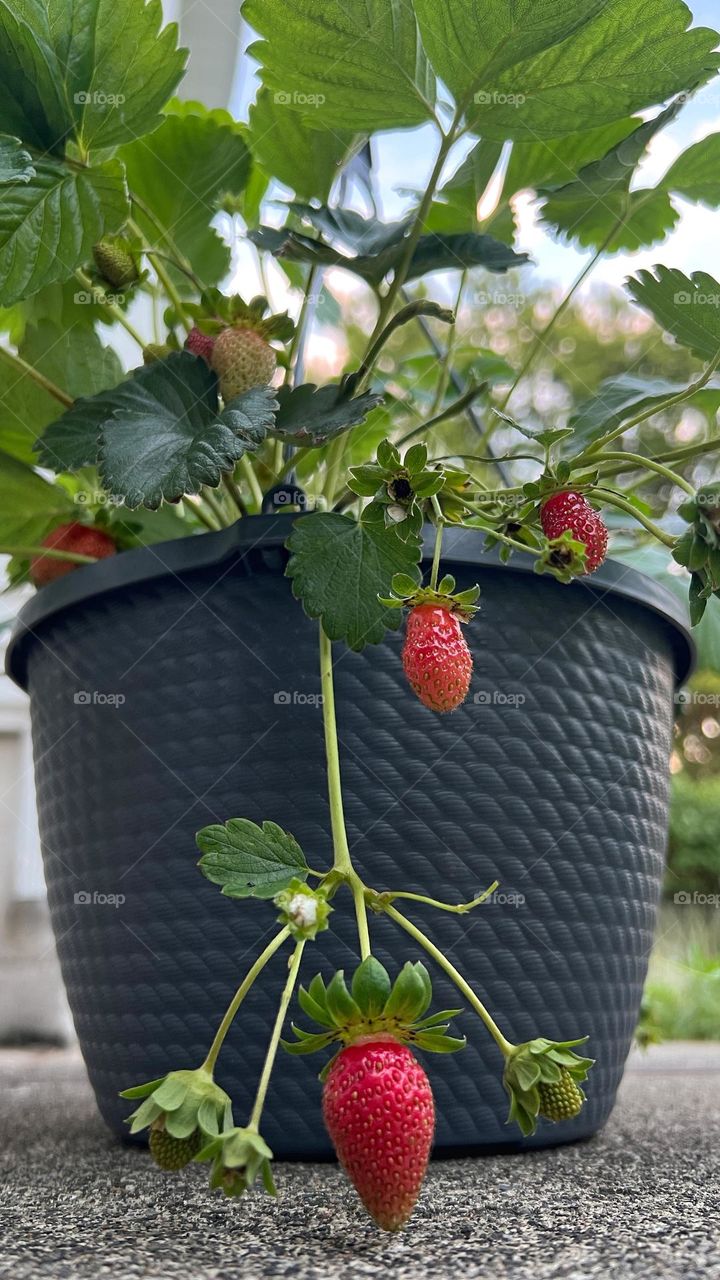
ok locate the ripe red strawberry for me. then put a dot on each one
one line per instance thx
(436, 657)
(201, 344)
(77, 538)
(380, 1114)
(571, 511)
(242, 359)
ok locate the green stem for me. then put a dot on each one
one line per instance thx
(235, 494)
(164, 278)
(401, 270)
(202, 516)
(628, 425)
(452, 411)
(292, 351)
(442, 381)
(435, 571)
(614, 500)
(460, 908)
(358, 892)
(216, 507)
(502, 537)
(49, 553)
(252, 973)
(290, 463)
(252, 482)
(180, 260)
(254, 1121)
(24, 368)
(635, 460)
(116, 312)
(540, 338)
(505, 1045)
(335, 452)
(342, 860)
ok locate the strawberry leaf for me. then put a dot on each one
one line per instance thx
(688, 307)
(339, 567)
(250, 861)
(166, 436)
(15, 163)
(310, 415)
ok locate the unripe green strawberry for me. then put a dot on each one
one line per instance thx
(173, 1153)
(560, 1101)
(242, 359)
(116, 263)
(379, 1111)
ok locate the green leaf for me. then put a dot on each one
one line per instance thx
(555, 162)
(456, 252)
(543, 71)
(455, 208)
(339, 567)
(588, 209)
(371, 987)
(695, 175)
(73, 440)
(620, 221)
(29, 506)
(432, 253)
(310, 415)
(306, 160)
(686, 307)
(49, 224)
(250, 861)
(181, 172)
(89, 68)
(618, 398)
(165, 436)
(355, 65)
(15, 163)
(74, 359)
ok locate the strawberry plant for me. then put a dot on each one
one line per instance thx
(111, 192)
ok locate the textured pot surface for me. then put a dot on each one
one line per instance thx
(179, 685)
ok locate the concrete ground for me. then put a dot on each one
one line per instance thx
(642, 1199)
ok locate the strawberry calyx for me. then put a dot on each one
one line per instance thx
(374, 1009)
(181, 1104)
(217, 311)
(564, 557)
(238, 1157)
(535, 1072)
(397, 486)
(406, 594)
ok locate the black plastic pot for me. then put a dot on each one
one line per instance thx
(178, 685)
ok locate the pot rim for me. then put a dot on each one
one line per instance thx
(183, 555)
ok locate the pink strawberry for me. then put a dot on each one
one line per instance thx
(242, 359)
(436, 658)
(80, 539)
(568, 510)
(201, 344)
(380, 1114)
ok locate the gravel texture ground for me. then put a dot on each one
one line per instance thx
(642, 1199)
